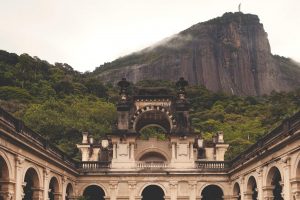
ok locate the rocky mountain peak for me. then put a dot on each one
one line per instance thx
(229, 53)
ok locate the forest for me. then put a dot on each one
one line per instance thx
(59, 103)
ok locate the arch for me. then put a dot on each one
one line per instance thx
(251, 190)
(81, 190)
(153, 156)
(156, 184)
(7, 168)
(69, 191)
(236, 191)
(212, 192)
(296, 170)
(153, 192)
(54, 189)
(153, 125)
(274, 181)
(92, 192)
(32, 183)
(4, 176)
(156, 150)
(155, 115)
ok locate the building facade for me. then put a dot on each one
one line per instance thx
(124, 166)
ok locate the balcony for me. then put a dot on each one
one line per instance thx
(203, 166)
(151, 165)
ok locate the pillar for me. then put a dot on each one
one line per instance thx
(132, 189)
(173, 190)
(19, 178)
(46, 183)
(173, 152)
(193, 192)
(286, 190)
(268, 193)
(132, 151)
(259, 183)
(113, 186)
(114, 151)
(191, 151)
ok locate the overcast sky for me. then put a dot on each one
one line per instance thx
(87, 33)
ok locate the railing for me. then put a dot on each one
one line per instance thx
(93, 165)
(212, 165)
(151, 165)
(34, 137)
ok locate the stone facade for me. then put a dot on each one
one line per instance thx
(123, 166)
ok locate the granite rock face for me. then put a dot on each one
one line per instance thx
(229, 53)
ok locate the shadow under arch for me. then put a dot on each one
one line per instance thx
(212, 192)
(69, 192)
(154, 150)
(32, 184)
(93, 192)
(153, 191)
(274, 181)
(54, 189)
(252, 191)
(5, 176)
(236, 191)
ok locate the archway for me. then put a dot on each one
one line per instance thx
(154, 131)
(69, 191)
(236, 192)
(212, 192)
(94, 192)
(53, 192)
(153, 157)
(157, 115)
(153, 192)
(274, 180)
(252, 191)
(4, 177)
(32, 184)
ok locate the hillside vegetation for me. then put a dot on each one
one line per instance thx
(59, 103)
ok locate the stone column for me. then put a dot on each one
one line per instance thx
(173, 190)
(114, 151)
(132, 190)
(242, 186)
(193, 192)
(7, 196)
(19, 181)
(248, 196)
(286, 189)
(191, 151)
(57, 196)
(295, 189)
(268, 192)
(37, 194)
(132, 151)
(259, 171)
(173, 152)
(46, 183)
(113, 186)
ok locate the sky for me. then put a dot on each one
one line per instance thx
(87, 33)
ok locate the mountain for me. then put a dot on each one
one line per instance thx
(228, 54)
